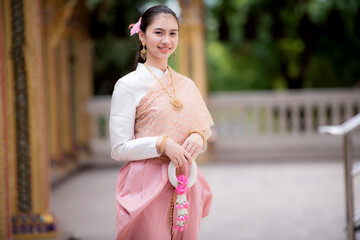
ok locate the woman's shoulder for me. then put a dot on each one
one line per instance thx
(129, 80)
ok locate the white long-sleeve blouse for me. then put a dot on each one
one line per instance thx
(128, 92)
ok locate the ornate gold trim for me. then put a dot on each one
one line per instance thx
(33, 226)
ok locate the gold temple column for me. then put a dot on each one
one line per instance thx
(192, 52)
(65, 99)
(24, 142)
(34, 59)
(42, 97)
(69, 74)
(6, 120)
(192, 43)
(51, 17)
(82, 75)
(83, 91)
(57, 15)
(69, 82)
(75, 74)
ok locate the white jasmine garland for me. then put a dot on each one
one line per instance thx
(182, 184)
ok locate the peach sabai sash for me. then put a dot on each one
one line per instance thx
(155, 116)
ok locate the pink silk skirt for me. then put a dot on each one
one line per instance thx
(143, 196)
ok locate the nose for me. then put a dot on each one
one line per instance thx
(165, 39)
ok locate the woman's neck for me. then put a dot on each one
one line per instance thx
(162, 65)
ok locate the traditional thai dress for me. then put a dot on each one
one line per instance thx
(140, 113)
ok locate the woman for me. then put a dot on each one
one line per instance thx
(157, 116)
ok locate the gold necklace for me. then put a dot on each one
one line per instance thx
(174, 100)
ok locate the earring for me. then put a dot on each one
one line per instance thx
(143, 52)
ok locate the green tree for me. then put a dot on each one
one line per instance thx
(263, 44)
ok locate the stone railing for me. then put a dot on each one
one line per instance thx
(260, 124)
(273, 124)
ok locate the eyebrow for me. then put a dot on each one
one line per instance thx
(164, 30)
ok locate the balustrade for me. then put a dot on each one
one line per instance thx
(266, 123)
(281, 113)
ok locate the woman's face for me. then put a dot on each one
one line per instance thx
(161, 37)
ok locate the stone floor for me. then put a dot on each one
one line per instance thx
(297, 200)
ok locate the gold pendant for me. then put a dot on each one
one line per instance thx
(177, 104)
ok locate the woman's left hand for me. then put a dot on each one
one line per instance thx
(193, 144)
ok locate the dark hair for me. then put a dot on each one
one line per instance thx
(146, 19)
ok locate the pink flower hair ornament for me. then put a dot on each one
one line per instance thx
(135, 28)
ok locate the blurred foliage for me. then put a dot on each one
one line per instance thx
(114, 49)
(263, 44)
(251, 44)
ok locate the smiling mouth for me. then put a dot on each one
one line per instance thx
(164, 49)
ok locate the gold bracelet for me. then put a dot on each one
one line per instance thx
(201, 133)
(163, 143)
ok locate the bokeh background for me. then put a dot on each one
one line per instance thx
(250, 45)
(271, 72)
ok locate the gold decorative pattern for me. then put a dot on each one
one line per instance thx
(33, 226)
(33, 53)
(23, 187)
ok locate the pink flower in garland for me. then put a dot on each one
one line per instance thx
(181, 189)
(182, 179)
(135, 28)
(181, 203)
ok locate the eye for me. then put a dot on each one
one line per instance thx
(158, 32)
(173, 33)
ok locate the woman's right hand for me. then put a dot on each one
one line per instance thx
(177, 154)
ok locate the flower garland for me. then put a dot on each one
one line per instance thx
(182, 184)
(181, 202)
